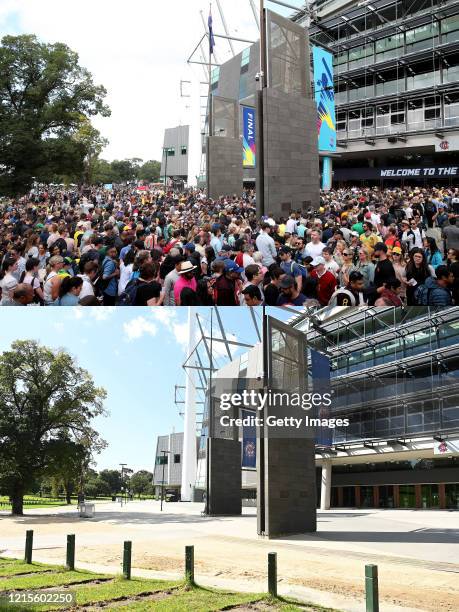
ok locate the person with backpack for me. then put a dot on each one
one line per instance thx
(436, 291)
(290, 267)
(352, 294)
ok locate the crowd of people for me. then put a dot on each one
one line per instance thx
(131, 247)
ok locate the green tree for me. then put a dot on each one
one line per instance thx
(67, 464)
(150, 171)
(93, 144)
(102, 172)
(125, 170)
(44, 92)
(44, 396)
(141, 483)
(113, 480)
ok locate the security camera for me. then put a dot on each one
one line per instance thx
(258, 76)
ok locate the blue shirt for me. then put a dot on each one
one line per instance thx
(108, 267)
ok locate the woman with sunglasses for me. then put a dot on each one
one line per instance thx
(399, 264)
(345, 269)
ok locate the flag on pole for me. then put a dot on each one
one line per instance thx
(211, 31)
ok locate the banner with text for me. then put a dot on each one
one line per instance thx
(249, 137)
(324, 95)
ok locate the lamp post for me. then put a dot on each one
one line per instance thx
(123, 468)
(164, 452)
(166, 154)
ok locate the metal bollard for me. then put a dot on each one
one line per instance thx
(70, 560)
(272, 574)
(28, 546)
(189, 564)
(127, 560)
(371, 588)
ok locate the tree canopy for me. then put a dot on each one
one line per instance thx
(47, 404)
(44, 96)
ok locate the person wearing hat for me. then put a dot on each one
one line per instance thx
(252, 296)
(186, 278)
(289, 294)
(326, 280)
(227, 286)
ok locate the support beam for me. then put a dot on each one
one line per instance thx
(225, 27)
(325, 489)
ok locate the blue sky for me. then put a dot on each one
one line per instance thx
(136, 354)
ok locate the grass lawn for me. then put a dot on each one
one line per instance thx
(137, 594)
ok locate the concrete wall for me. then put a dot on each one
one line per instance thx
(289, 487)
(225, 482)
(290, 152)
(224, 166)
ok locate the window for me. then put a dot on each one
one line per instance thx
(388, 48)
(183, 150)
(450, 29)
(162, 460)
(422, 37)
(451, 110)
(170, 152)
(176, 458)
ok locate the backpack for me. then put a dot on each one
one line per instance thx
(304, 270)
(430, 207)
(128, 296)
(422, 295)
(334, 298)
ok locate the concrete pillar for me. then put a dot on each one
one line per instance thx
(325, 489)
(327, 173)
(189, 460)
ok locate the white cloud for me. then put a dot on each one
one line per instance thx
(138, 51)
(138, 327)
(102, 313)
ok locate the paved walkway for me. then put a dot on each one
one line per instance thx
(417, 551)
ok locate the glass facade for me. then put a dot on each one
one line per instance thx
(392, 52)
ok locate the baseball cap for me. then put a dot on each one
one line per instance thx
(231, 266)
(317, 261)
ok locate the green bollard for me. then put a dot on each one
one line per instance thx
(28, 546)
(272, 574)
(189, 564)
(127, 560)
(371, 588)
(70, 561)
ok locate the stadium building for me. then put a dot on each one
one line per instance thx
(174, 163)
(396, 77)
(396, 89)
(394, 373)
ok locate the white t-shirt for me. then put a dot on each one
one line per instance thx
(125, 276)
(313, 250)
(8, 285)
(87, 288)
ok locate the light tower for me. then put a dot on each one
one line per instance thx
(189, 436)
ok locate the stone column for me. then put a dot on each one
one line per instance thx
(325, 489)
